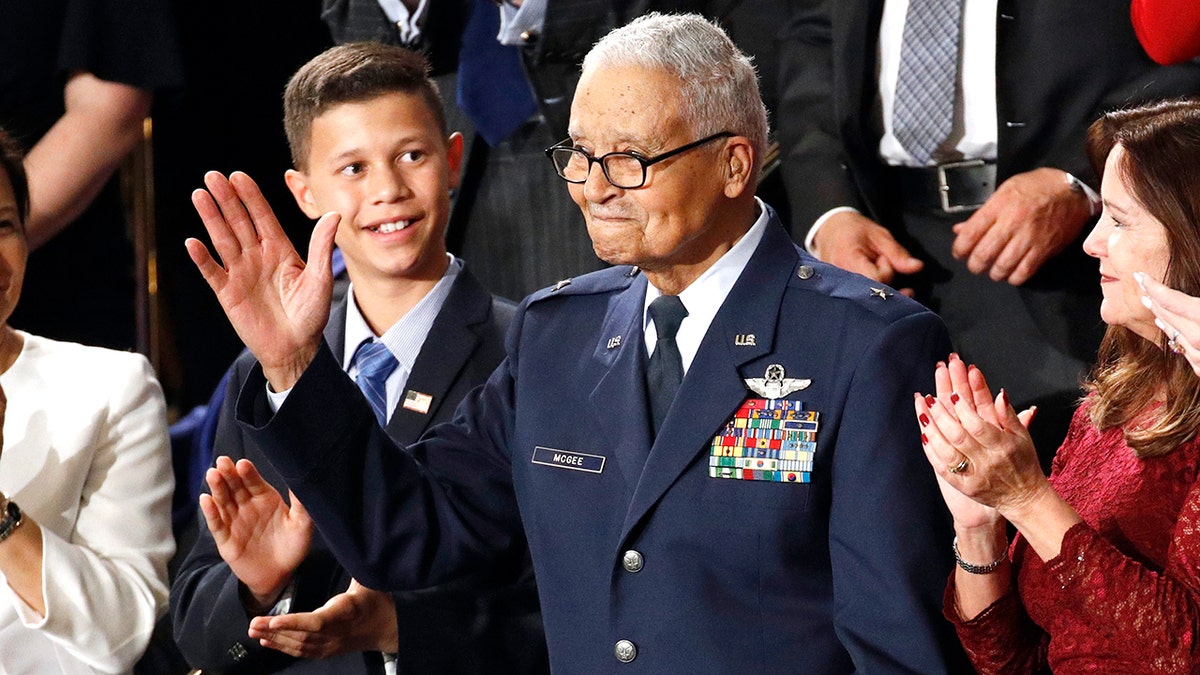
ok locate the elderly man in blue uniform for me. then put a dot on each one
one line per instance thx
(707, 448)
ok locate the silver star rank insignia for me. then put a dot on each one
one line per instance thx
(880, 292)
(774, 385)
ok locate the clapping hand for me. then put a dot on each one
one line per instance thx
(1177, 315)
(357, 620)
(261, 537)
(978, 446)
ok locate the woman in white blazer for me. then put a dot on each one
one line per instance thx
(85, 485)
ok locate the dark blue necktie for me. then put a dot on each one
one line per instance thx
(664, 373)
(926, 84)
(492, 89)
(375, 363)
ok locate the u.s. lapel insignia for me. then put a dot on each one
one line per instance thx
(417, 402)
(774, 385)
(745, 340)
(614, 342)
(880, 293)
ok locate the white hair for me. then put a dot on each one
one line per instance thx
(719, 86)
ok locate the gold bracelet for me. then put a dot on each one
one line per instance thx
(977, 569)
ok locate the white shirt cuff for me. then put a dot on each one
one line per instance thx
(284, 604)
(1094, 201)
(275, 399)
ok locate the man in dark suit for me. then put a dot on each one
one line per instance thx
(368, 138)
(708, 448)
(986, 230)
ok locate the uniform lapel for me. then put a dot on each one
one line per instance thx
(619, 397)
(451, 341)
(713, 388)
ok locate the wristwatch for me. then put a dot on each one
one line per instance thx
(11, 519)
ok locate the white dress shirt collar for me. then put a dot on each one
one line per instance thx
(404, 338)
(704, 296)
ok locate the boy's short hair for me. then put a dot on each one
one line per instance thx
(351, 73)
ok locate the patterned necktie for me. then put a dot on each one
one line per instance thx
(492, 89)
(665, 370)
(375, 363)
(925, 87)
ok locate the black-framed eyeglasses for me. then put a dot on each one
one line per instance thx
(625, 170)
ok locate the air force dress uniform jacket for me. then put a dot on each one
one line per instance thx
(646, 560)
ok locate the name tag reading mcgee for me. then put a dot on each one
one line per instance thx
(565, 459)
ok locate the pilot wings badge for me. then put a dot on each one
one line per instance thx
(774, 385)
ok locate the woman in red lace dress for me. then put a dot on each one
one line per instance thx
(1104, 573)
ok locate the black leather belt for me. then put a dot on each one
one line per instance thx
(953, 187)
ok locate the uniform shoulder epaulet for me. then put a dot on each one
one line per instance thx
(602, 281)
(872, 296)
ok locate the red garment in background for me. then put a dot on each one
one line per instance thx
(1169, 30)
(1123, 596)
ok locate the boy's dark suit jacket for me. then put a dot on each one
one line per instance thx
(452, 629)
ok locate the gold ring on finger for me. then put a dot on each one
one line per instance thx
(960, 467)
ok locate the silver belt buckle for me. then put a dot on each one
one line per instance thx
(944, 187)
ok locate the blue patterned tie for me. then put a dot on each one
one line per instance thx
(375, 363)
(664, 373)
(925, 87)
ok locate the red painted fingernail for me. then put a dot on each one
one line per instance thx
(955, 357)
(954, 397)
(941, 364)
(924, 440)
(923, 419)
(929, 399)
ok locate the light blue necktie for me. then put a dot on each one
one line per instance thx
(375, 363)
(923, 117)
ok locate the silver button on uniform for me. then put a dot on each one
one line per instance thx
(632, 561)
(625, 650)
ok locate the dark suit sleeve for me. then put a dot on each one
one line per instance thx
(209, 620)
(206, 610)
(879, 468)
(394, 523)
(814, 170)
